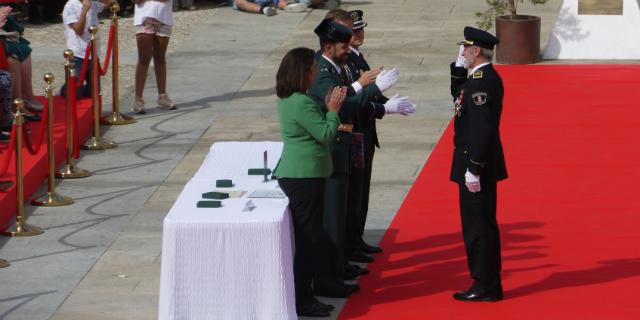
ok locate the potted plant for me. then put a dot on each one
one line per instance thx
(519, 34)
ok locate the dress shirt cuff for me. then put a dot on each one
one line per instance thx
(357, 87)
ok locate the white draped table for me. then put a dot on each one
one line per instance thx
(226, 263)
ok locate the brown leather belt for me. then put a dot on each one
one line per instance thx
(345, 127)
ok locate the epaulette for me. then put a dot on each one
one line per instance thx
(477, 74)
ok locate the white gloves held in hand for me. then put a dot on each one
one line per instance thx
(401, 105)
(472, 182)
(387, 78)
(460, 61)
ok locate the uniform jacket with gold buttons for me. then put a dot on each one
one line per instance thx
(477, 145)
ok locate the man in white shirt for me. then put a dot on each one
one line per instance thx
(78, 16)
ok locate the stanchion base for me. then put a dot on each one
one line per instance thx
(117, 118)
(99, 144)
(52, 199)
(23, 231)
(4, 263)
(72, 172)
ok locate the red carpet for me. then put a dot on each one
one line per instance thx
(569, 213)
(35, 166)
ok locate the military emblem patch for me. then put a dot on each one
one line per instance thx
(479, 98)
(477, 75)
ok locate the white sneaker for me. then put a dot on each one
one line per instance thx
(296, 7)
(165, 102)
(138, 106)
(269, 11)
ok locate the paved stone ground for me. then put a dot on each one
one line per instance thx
(100, 259)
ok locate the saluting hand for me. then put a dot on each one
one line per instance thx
(335, 97)
(369, 77)
(461, 60)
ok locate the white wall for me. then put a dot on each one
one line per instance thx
(595, 36)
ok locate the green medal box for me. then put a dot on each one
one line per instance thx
(209, 204)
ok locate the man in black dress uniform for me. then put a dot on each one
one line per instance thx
(478, 160)
(360, 179)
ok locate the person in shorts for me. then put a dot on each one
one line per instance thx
(78, 16)
(153, 21)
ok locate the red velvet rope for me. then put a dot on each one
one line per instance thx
(7, 156)
(34, 148)
(74, 120)
(85, 65)
(107, 58)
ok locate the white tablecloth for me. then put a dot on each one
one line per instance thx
(223, 263)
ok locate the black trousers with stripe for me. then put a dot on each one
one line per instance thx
(481, 234)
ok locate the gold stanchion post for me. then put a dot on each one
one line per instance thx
(4, 263)
(70, 171)
(21, 229)
(51, 198)
(95, 142)
(116, 118)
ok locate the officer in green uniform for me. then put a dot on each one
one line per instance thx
(334, 41)
(478, 160)
(360, 179)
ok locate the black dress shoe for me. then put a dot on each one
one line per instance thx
(357, 268)
(478, 294)
(351, 272)
(359, 256)
(53, 19)
(336, 291)
(5, 185)
(32, 117)
(363, 271)
(311, 310)
(324, 306)
(36, 21)
(370, 249)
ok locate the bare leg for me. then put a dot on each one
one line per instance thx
(245, 5)
(14, 69)
(145, 52)
(282, 4)
(160, 63)
(25, 74)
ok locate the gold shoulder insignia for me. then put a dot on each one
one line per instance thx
(477, 74)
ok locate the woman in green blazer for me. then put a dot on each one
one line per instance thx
(304, 164)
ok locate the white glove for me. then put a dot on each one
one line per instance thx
(461, 59)
(387, 78)
(400, 105)
(472, 181)
(391, 106)
(406, 107)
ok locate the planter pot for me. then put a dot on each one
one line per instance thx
(519, 39)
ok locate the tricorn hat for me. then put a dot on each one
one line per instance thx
(333, 31)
